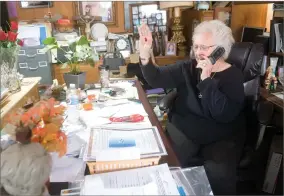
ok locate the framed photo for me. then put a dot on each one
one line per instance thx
(105, 9)
(151, 20)
(135, 22)
(35, 4)
(162, 28)
(223, 14)
(171, 49)
(159, 22)
(134, 10)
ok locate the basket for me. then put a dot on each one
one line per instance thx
(108, 166)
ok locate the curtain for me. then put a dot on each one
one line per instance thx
(4, 18)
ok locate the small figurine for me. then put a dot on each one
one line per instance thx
(270, 79)
(25, 169)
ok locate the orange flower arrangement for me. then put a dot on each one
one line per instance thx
(44, 121)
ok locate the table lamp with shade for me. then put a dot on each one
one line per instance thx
(177, 27)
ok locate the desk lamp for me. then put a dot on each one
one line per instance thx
(177, 27)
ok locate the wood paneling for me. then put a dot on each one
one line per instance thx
(66, 8)
(188, 17)
(119, 28)
(253, 15)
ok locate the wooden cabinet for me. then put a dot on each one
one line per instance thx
(29, 90)
(252, 15)
(93, 72)
(191, 18)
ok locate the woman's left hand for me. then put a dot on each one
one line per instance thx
(206, 67)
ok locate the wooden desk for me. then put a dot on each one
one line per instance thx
(171, 159)
(29, 89)
(277, 118)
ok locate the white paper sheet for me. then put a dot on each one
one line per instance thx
(74, 145)
(155, 180)
(28, 31)
(279, 95)
(65, 169)
(148, 141)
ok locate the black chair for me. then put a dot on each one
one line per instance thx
(248, 58)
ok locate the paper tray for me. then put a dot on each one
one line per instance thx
(108, 166)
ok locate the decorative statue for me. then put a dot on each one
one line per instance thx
(270, 79)
(25, 169)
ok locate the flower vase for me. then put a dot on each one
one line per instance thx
(9, 73)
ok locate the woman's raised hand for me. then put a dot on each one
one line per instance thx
(145, 42)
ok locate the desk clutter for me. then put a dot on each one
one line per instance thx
(108, 130)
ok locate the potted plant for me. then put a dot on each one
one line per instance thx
(41, 124)
(78, 51)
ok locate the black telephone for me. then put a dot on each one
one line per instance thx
(213, 57)
(216, 54)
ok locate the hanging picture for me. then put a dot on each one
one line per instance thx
(35, 4)
(104, 9)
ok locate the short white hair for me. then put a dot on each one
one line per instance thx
(221, 33)
(25, 168)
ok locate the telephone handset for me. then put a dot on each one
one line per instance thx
(216, 54)
(213, 57)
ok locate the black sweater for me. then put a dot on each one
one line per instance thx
(217, 115)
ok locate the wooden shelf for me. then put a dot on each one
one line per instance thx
(276, 54)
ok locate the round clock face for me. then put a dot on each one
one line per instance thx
(158, 16)
(121, 44)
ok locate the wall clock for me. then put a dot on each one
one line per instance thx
(122, 44)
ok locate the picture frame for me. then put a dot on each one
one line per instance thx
(160, 22)
(171, 49)
(106, 9)
(35, 4)
(224, 14)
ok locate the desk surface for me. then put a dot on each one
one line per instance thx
(27, 85)
(277, 102)
(171, 159)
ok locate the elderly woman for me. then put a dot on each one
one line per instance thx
(25, 169)
(207, 116)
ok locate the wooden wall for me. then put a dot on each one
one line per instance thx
(66, 9)
(254, 15)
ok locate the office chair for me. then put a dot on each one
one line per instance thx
(247, 57)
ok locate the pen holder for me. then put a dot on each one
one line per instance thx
(109, 166)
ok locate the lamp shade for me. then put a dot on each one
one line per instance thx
(181, 4)
(176, 5)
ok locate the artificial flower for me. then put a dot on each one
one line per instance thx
(12, 36)
(3, 36)
(14, 26)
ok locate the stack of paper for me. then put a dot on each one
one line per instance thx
(114, 144)
(155, 180)
(66, 169)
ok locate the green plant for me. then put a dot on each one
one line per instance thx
(78, 51)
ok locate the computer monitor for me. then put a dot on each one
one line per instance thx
(249, 33)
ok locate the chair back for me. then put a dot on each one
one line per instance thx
(248, 57)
